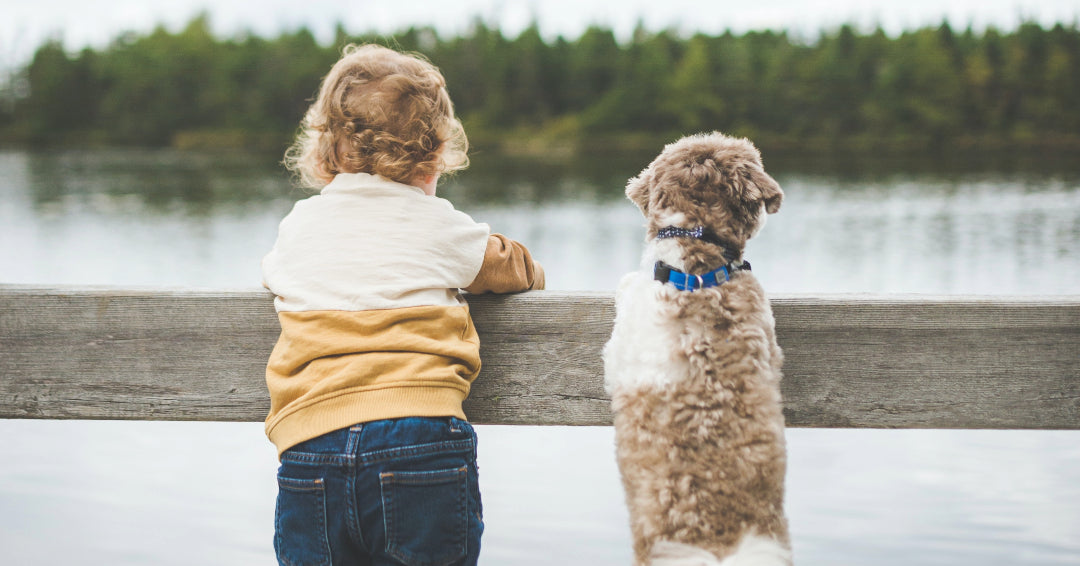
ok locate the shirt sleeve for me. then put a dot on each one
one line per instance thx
(508, 268)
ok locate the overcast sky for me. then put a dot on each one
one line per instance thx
(25, 24)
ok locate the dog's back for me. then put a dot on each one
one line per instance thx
(694, 379)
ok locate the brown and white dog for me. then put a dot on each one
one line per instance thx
(693, 367)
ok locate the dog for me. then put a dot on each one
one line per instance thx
(693, 366)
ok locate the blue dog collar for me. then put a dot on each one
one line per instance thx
(664, 273)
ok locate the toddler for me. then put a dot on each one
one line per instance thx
(377, 349)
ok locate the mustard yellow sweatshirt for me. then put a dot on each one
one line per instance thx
(367, 278)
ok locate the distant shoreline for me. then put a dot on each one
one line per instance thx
(630, 152)
(541, 143)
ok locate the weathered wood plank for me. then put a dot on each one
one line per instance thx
(851, 361)
(931, 362)
(134, 354)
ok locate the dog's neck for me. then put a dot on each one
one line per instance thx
(698, 233)
(669, 247)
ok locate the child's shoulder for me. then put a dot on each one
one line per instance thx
(382, 205)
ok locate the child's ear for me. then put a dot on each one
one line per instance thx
(323, 174)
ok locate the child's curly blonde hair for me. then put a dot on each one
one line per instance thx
(380, 112)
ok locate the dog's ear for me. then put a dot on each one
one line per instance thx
(637, 190)
(768, 190)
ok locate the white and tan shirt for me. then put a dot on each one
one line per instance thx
(367, 278)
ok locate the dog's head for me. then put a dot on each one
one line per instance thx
(709, 180)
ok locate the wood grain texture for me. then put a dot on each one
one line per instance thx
(851, 361)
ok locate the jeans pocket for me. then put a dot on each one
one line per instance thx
(426, 516)
(300, 523)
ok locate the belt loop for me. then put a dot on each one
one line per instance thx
(454, 426)
(353, 439)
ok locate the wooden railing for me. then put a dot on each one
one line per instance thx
(851, 361)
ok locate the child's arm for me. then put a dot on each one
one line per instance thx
(508, 268)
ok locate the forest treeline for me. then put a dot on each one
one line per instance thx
(921, 89)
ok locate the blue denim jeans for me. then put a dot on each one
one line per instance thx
(392, 492)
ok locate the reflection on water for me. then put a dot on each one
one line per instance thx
(159, 180)
(138, 493)
(171, 218)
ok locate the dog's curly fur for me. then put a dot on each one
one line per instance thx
(694, 376)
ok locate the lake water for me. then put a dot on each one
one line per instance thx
(126, 493)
